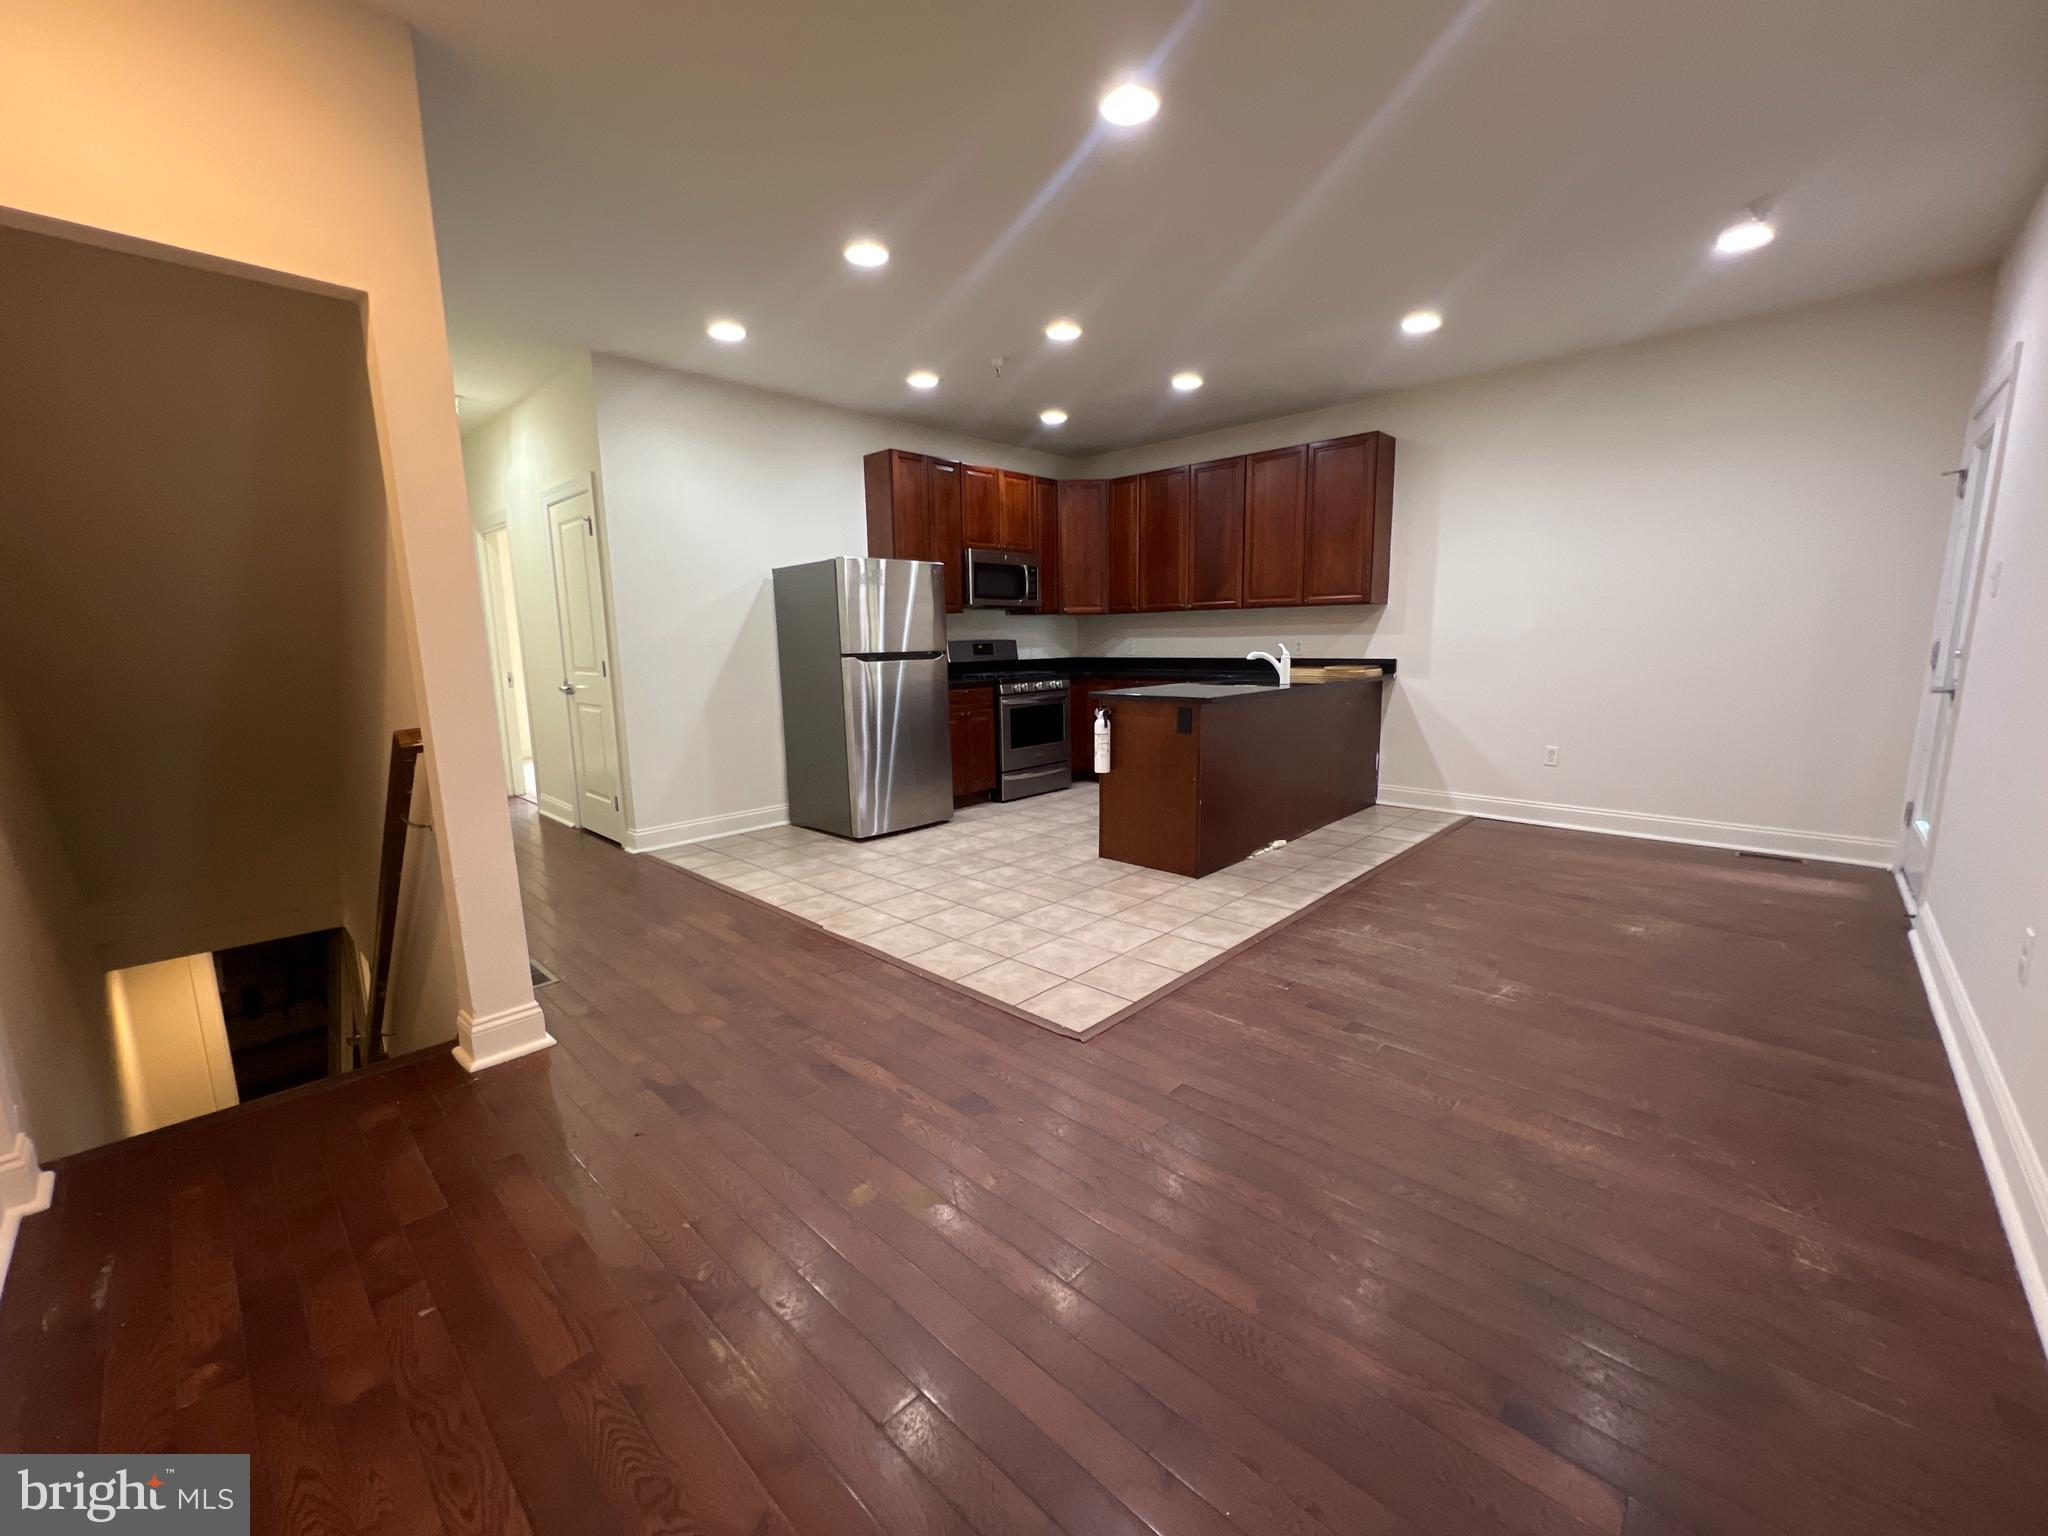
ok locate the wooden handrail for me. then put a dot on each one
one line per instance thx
(405, 757)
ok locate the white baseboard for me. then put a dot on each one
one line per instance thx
(25, 1187)
(2019, 1182)
(497, 1038)
(555, 809)
(680, 834)
(1832, 847)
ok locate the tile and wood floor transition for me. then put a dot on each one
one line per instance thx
(1542, 1182)
(1012, 902)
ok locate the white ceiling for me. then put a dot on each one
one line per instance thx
(610, 175)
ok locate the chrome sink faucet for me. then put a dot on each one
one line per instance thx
(1283, 663)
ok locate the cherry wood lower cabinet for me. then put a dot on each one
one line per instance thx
(1198, 782)
(1083, 507)
(971, 713)
(1081, 701)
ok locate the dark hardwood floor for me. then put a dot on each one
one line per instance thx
(1541, 1183)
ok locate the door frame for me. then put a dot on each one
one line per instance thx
(566, 490)
(495, 622)
(1992, 412)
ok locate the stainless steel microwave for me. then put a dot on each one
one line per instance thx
(1001, 578)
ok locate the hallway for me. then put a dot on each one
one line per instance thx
(1539, 1181)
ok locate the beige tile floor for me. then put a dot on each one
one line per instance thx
(1012, 901)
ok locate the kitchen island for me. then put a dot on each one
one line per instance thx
(1205, 774)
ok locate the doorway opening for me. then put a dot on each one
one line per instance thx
(199, 760)
(206, 1032)
(583, 619)
(501, 613)
(1948, 651)
(547, 608)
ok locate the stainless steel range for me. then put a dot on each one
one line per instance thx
(1032, 753)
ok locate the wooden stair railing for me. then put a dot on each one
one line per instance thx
(405, 758)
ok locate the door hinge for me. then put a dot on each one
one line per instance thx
(615, 803)
(604, 669)
(1909, 813)
(1962, 479)
(1934, 654)
(590, 526)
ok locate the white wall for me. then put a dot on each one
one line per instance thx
(707, 487)
(57, 1081)
(1989, 877)
(512, 462)
(374, 697)
(1700, 566)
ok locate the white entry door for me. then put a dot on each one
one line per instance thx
(586, 660)
(1948, 652)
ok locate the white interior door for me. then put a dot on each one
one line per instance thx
(586, 661)
(1948, 651)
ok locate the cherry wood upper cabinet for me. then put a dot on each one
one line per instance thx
(1306, 524)
(1216, 561)
(1122, 562)
(981, 515)
(1084, 546)
(1163, 538)
(946, 532)
(1275, 515)
(1019, 527)
(1350, 499)
(1045, 503)
(899, 506)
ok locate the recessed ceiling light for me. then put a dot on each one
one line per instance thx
(1052, 415)
(868, 253)
(1129, 105)
(1746, 234)
(924, 378)
(1421, 322)
(1187, 383)
(1062, 330)
(727, 331)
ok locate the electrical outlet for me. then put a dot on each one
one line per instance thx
(1550, 757)
(2026, 954)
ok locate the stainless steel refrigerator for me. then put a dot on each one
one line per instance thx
(863, 653)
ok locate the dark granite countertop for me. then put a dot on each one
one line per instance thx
(1182, 669)
(1193, 692)
(1211, 692)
